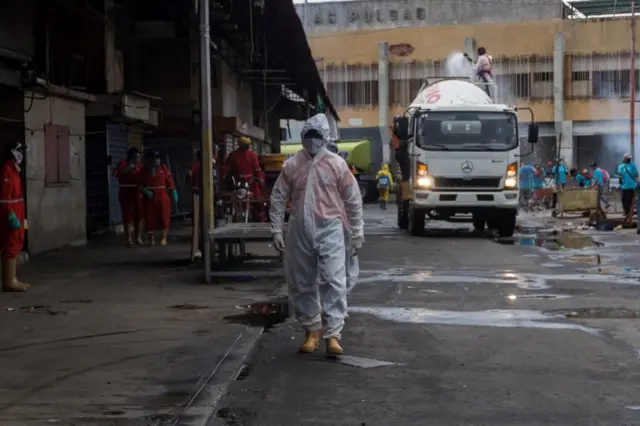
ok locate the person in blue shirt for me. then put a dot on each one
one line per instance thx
(527, 174)
(628, 175)
(598, 181)
(559, 172)
(581, 178)
(538, 178)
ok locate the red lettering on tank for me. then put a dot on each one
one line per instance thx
(432, 94)
(432, 99)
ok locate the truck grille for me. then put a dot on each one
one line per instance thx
(485, 182)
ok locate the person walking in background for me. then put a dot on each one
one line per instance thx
(128, 174)
(628, 175)
(527, 175)
(559, 172)
(599, 180)
(385, 182)
(157, 186)
(243, 164)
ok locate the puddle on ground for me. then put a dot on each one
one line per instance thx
(599, 313)
(553, 241)
(551, 265)
(525, 281)
(265, 314)
(618, 270)
(505, 318)
(514, 297)
(520, 281)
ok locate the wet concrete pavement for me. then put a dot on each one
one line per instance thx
(470, 331)
(110, 336)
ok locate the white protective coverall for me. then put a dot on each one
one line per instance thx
(326, 203)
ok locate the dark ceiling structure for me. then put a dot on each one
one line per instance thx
(269, 46)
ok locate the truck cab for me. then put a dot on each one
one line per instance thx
(459, 154)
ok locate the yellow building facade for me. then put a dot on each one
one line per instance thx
(574, 74)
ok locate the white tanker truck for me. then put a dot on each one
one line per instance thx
(458, 154)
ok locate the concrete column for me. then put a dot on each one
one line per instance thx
(383, 99)
(567, 146)
(470, 46)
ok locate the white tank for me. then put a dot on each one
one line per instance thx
(451, 92)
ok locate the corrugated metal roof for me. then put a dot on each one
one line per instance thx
(602, 7)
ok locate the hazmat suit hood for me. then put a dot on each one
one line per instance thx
(319, 123)
(315, 134)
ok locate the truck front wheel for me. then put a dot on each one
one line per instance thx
(479, 221)
(403, 213)
(507, 223)
(417, 219)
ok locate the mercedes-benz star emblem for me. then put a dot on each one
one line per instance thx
(466, 166)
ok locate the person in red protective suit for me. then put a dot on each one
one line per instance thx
(12, 220)
(128, 174)
(244, 166)
(156, 185)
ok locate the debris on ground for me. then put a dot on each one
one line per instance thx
(187, 307)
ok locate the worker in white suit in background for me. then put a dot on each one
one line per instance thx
(326, 201)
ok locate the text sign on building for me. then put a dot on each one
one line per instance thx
(370, 15)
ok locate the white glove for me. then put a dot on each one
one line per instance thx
(278, 242)
(356, 245)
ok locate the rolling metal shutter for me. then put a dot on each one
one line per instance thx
(117, 144)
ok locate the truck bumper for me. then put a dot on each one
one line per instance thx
(465, 200)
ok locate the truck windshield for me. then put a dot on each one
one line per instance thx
(468, 131)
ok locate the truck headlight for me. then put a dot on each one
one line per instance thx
(510, 182)
(424, 182)
(512, 170)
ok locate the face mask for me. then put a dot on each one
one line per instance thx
(156, 161)
(312, 146)
(627, 160)
(17, 155)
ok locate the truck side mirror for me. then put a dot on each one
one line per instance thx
(533, 133)
(401, 128)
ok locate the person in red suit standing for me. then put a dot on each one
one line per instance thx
(128, 174)
(12, 221)
(156, 185)
(244, 166)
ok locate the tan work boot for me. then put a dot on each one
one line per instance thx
(127, 234)
(9, 281)
(138, 233)
(333, 347)
(163, 240)
(311, 342)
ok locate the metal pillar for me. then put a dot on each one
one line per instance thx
(383, 99)
(208, 220)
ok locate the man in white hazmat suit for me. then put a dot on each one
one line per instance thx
(325, 202)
